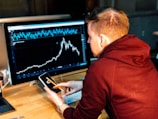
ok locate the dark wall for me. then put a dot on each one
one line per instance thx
(144, 26)
(76, 8)
(15, 8)
(143, 16)
(132, 6)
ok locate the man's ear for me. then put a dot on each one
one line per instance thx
(104, 40)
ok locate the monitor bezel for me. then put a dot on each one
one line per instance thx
(12, 74)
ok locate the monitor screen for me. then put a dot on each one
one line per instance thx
(57, 46)
(3, 50)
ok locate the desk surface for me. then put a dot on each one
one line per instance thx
(30, 101)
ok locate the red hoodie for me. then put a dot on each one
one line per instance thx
(123, 80)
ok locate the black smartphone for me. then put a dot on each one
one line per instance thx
(48, 81)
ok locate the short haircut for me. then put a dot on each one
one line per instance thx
(113, 23)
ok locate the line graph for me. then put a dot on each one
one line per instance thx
(64, 45)
(45, 33)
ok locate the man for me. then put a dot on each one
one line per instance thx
(123, 80)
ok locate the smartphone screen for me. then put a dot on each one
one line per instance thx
(48, 81)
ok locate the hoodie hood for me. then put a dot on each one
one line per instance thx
(128, 49)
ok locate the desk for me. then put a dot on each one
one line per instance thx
(31, 101)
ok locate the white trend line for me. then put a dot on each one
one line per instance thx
(14, 43)
(62, 44)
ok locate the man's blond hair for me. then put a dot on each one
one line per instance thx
(113, 23)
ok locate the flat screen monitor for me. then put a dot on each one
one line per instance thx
(56, 47)
(3, 51)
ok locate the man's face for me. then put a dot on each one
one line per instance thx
(94, 41)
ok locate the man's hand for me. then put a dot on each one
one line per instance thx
(70, 86)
